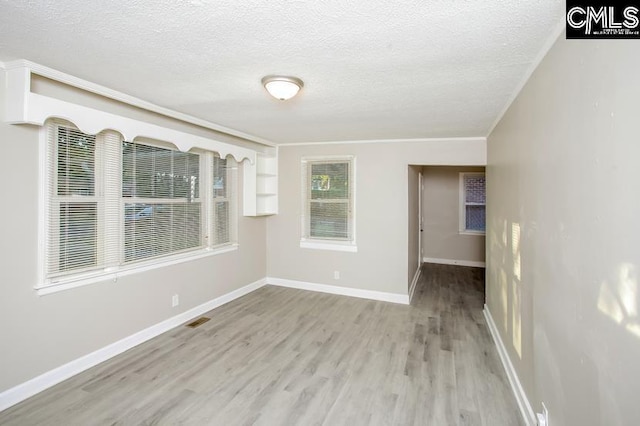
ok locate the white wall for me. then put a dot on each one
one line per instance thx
(381, 213)
(38, 334)
(563, 225)
(441, 237)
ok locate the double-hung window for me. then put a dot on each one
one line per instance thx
(472, 203)
(328, 220)
(113, 205)
(162, 205)
(223, 209)
(75, 201)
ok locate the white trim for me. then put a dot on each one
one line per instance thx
(372, 141)
(467, 232)
(44, 381)
(343, 291)
(114, 275)
(414, 282)
(557, 31)
(43, 205)
(26, 107)
(329, 245)
(88, 86)
(521, 397)
(472, 263)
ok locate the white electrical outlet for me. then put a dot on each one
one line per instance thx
(175, 300)
(336, 275)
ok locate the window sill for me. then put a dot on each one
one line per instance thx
(113, 274)
(478, 233)
(346, 246)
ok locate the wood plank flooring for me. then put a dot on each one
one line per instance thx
(281, 356)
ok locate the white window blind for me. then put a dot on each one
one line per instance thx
(473, 202)
(113, 203)
(224, 193)
(328, 198)
(75, 201)
(161, 197)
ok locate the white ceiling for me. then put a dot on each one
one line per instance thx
(374, 69)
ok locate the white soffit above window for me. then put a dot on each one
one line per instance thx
(23, 106)
(372, 70)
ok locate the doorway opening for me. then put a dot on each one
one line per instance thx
(447, 207)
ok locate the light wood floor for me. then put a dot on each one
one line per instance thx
(291, 357)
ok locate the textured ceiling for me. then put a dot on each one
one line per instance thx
(374, 69)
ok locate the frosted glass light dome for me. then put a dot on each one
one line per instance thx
(282, 87)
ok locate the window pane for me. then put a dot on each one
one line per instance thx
(77, 236)
(474, 189)
(184, 179)
(475, 218)
(153, 230)
(329, 181)
(221, 225)
(186, 226)
(153, 172)
(329, 220)
(220, 187)
(75, 162)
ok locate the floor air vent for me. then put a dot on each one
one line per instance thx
(198, 322)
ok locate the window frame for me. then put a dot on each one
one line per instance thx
(335, 244)
(55, 201)
(462, 224)
(230, 197)
(105, 188)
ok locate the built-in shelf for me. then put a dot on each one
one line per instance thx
(261, 186)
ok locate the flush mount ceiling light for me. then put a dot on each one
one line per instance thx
(282, 87)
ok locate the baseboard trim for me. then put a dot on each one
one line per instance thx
(414, 282)
(402, 299)
(27, 389)
(453, 262)
(521, 397)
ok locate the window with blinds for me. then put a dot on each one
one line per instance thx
(473, 203)
(161, 198)
(114, 203)
(74, 202)
(223, 190)
(328, 199)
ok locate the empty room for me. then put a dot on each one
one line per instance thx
(320, 213)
